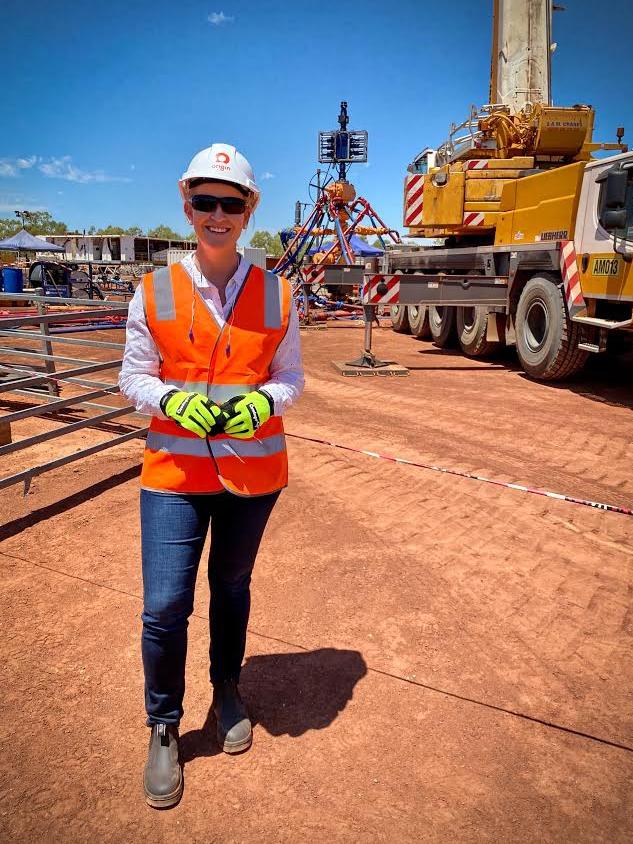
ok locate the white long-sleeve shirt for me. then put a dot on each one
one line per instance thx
(139, 379)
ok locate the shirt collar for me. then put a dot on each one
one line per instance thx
(236, 280)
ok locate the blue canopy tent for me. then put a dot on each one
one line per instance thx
(358, 246)
(23, 241)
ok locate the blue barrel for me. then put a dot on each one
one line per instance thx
(12, 280)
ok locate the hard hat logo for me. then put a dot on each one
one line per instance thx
(222, 158)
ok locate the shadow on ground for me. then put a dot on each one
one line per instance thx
(287, 694)
(17, 525)
(606, 378)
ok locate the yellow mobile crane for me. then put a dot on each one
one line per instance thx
(538, 234)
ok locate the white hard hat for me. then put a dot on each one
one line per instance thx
(224, 163)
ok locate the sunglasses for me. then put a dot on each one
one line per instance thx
(208, 204)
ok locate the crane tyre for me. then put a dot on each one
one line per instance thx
(400, 319)
(472, 325)
(546, 339)
(419, 321)
(442, 325)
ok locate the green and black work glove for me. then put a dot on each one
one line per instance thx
(195, 412)
(247, 413)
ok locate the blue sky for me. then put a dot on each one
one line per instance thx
(104, 104)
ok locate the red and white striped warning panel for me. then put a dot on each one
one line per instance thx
(382, 290)
(313, 275)
(571, 277)
(477, 164)
(413, 200)
(473, 218)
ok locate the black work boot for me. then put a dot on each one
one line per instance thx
(234, 727)
(163, 775)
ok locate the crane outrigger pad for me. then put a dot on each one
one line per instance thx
(363, 366)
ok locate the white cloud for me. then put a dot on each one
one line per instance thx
(267, 175)
(55, 168)
(10, 167)
(63, 168)
(218, 18)
(25, 163)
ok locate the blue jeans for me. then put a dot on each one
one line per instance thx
(173, 531)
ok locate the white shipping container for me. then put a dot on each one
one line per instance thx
(169, 256)
(254, 255)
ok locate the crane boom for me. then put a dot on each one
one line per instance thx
(464, 188)
(521, 49)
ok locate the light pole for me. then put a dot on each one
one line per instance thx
(24, 215)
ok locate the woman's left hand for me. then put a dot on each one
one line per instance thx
(248, 414)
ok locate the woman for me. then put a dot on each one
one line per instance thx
(212, 354)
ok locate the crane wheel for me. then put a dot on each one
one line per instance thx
(442, 325)
(472, 325)
(546, 339)
(400, 319)
(419, 321)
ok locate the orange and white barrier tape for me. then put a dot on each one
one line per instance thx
(597, 505)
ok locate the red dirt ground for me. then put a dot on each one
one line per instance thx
(430, 658)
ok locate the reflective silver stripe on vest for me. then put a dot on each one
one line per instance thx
(163, 294)
(219, 448)
(249, 448)
(218, 392)
(176, 445)
(272, 301)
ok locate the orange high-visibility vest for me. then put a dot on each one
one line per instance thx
(199, 355)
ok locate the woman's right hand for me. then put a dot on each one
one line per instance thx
(195, 412)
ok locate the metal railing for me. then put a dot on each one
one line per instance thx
(472, 136)
(59, 375)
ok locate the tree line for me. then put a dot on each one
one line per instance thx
(42, 223)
